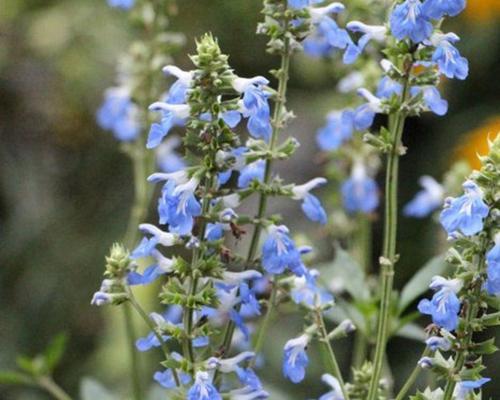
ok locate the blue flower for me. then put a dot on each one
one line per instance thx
(305, 291)
(369, 32)
(427, 200)
(464, 388)
(364, 115)
(214, 231)
(148, 245)
(432, 99)
(448, 58)
(360, 192)
(177, 94)
(279, 252)
(311, 206)
(172, 115)
(178, 206)
(119, 114)
(124, 4)
(254, 106)
(251, 172)
(338, 129)
(336, 392)
(437, 9)
(409, 21)
(326, 35)
(493, 270)
(444, 306)
(388, 87)
(166, 378)
(298, 4)
(166, 157)
(227, 365)
(466, 213)
(438, 343)
(203, 389)
(295, 358)
(148, 342)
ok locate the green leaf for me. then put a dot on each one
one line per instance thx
(419, 284)
(487, 347)
(412, 331)
(90, 389)
(55, 350)
(15, 378)
(347, 273)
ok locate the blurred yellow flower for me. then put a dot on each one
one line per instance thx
(483, 10)
(476, 142)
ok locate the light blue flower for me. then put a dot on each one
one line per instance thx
(311, 206)
(444, 306)
(305, 291)
(364, 115)
(162, 266)
(466, 213)
(147, 245)
(493, 270)
(447, 57)
(336, 392)
(124, 4)
(166, 378)
(388, 87)
(432, 99)
(298, 4)
(171, 115)
(369, 32)
(178, 206)
(248, 393)
(251, 172)
(464, 388)
(408, 21)
(437, 9)
(279, 252)
(148, 342)
(203, 389)
(254, 106)
(295, 358)
(177, 94)
(427, 200)
(438, 343)
(326, 35)
(360, 191)
(166, 157)
(338, 129)
(119, 114)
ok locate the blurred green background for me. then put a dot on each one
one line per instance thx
(65, 187)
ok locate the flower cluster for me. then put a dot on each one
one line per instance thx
(460, 306)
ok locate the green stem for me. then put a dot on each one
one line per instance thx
(265, 323)
(277, 126)
(193, 284)
(362, 251)
(412, 378)
(466, 332)
(396, 127)
(134, 359)
(48, 384)
(151, 325)
(325, 342)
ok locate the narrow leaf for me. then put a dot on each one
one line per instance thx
(14, 378)
(419, 284)
(55, 351)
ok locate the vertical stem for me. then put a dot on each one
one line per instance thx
(334, 365)
(277, 126)
(396, 127)
(412, 378)
(53, 388)
(362, 251)
(151, 326)
(134, 359)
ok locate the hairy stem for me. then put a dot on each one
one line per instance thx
(396, 127)
(48, 384)
(330, 354)
(412, 378)
(277, 127)
(151, 325)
